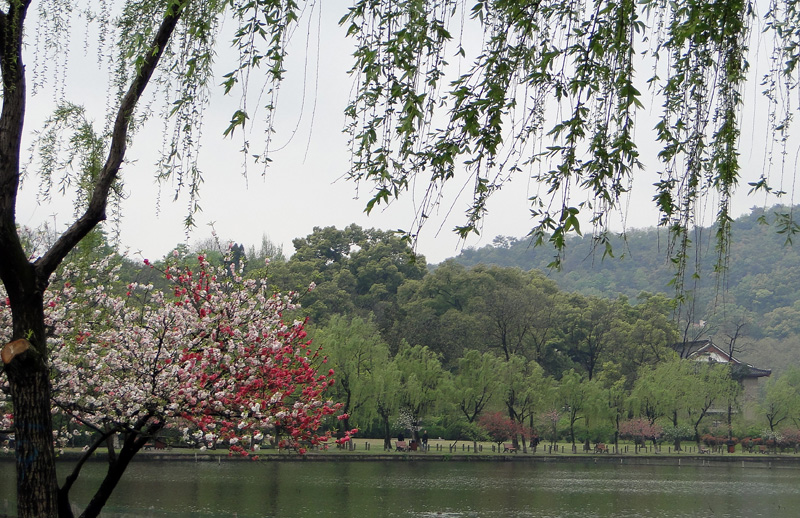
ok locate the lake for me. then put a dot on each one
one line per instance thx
(440, 489)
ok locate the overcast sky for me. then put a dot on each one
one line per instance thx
(304, 187)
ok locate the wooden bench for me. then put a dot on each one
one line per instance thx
(600, 448)
(401, 446)
(509, 447)
(703, 450)
(762, 448)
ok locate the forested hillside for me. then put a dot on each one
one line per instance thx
(758, 295)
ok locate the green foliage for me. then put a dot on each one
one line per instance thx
(781, 404)
(356, 353)
(69, 155)
(675, 434)
(579, 398)
(476, 382)
(526, 389)
(421, 376)
(684, 392)
(559, 77)
(761, 287)
(460, 430)
(354, 270)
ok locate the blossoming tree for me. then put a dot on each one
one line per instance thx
(213, 359)
(640, 430)
(498, 427)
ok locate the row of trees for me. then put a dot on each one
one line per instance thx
(514, 399)
(452, 309)
(207, 355)
(403, 339)
(411, 389)
(760, 304)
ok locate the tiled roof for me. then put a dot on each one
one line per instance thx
(698, 348)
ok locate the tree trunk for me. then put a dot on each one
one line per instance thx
(25, 283)
(677, 443)
(37, 485)
(572, 431)
(345, 422)
(28, 375)
(64, 508)
(730, 421)
(29, 380)
(387, 430)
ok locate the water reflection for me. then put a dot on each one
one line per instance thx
(445, 489)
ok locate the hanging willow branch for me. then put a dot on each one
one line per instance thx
(552, 91)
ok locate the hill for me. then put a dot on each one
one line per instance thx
(758, 294)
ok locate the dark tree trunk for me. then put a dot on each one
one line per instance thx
(387, 432)
(37, 485)
(27, 372)
(64, 507)
(677, 443)
(29, 381)
(345, 422)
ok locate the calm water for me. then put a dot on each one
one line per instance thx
(446, 489)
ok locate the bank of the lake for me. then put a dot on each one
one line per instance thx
(371, 450)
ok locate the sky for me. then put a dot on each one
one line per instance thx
(305, 186)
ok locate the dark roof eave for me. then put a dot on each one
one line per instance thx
(755, 372)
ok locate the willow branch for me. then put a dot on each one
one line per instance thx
(96, 210)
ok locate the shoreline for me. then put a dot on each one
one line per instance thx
(371, 450)
(769, 461)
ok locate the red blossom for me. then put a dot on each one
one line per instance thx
(498, 427)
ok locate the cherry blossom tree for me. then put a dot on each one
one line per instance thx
(640, 430)
(213, 358)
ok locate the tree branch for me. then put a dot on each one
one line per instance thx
(14, 267)
(72, 477)
(96, 211)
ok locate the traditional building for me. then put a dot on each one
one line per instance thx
(746, 374)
